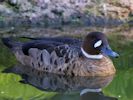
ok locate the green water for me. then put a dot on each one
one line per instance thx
(121, 87)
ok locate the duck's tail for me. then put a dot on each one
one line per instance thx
(10, 43)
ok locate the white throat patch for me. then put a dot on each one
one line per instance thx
(99, 56)
(98, 43)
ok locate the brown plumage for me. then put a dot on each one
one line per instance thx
(64, 55)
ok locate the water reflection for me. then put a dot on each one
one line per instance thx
(96, 96)
(90, 88)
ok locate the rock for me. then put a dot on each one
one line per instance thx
(24, 5)
(5, 10)
(60, 12)
(128, 4)
(114, 11)
(123, 4)
(2, 0)
(12, 2)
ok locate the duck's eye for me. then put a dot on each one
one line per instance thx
(98, 43)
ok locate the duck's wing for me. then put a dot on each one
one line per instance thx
(39, 44)
(53, 50)
(49, 43)
(57, 55)
(67, 51)
(61, 49)
(50, 46)
(65, 40)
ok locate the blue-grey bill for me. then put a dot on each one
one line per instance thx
(108, 51)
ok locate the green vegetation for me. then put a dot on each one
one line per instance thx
(124, 48)
(2, 18)
(7, 59)
(130, 18)
(11, 89)
(122, 85)
(13, 7)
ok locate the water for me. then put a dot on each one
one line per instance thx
(19, 82)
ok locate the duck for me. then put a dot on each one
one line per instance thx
(66, 55)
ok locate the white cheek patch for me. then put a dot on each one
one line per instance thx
(98, 43)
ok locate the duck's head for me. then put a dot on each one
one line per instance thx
(96, 45)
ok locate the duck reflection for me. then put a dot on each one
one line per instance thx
(90, 88)
(95, 95)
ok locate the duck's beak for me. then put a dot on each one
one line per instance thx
(108, 51)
